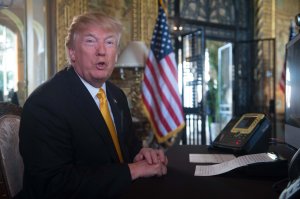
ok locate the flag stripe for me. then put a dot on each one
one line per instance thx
(172, 66)
(148, 107)
(169, 85)
(147, 86)
(156, 106)
(159, 87)
(282, 79)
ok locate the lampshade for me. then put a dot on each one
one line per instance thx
(134, 55)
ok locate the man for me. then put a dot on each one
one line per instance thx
(65, 141)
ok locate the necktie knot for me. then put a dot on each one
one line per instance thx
(102, 97)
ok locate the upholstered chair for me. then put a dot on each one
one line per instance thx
(11, 163)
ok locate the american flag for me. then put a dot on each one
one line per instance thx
(160, 93)
(291, 36)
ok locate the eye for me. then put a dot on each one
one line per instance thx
(90, 40)
(110, 42)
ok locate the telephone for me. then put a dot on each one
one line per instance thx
(247, 134)
(292, 191)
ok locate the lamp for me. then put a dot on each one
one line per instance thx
(132, 61)
(134, 55)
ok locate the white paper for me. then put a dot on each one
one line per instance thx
(210, 158)
(210, 170)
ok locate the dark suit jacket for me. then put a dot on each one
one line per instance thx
(65, 143)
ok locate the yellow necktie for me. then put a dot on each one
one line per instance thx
(106, 115)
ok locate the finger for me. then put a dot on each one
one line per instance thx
(154, 156)
(159, 170)
(161, 155)
(166, 161)
(147, 156)
(138, 157)
(164, 170)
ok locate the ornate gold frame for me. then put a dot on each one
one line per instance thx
(66, 10)
(142, 16)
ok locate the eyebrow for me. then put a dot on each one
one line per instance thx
(93, 35)
(89, 35)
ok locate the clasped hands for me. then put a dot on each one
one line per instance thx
(148, 162)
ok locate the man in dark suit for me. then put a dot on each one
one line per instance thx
(65, 141)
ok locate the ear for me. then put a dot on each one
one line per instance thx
(116, 58)
(72, 54)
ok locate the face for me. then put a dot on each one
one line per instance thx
(94, 54)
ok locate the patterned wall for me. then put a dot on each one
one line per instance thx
(138, 18)
(65, 11)
(144, 17)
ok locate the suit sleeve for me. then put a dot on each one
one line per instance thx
(48, 154)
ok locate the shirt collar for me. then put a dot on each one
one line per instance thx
(92, 90)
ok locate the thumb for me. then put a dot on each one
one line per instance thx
(138, 157)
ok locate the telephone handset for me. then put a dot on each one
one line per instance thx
(293, 188)
(247, 134)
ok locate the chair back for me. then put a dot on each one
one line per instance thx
(11, 162)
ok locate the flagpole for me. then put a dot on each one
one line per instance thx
(163, 5)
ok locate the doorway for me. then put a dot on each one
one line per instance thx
(8, 63)
(219, 78)
(23, 49)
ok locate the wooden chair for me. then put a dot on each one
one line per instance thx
(11, 163)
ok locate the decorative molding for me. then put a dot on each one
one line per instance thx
(66, 10)
(144, 17)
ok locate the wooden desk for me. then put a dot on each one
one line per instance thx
(180, 181)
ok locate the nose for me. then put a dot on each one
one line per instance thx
(100, 50)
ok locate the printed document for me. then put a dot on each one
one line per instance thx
(210, 158)
(215, 169)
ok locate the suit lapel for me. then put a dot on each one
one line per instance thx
(90, 110)
(118, 114)
(115, 110)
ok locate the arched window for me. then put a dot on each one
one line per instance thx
(8, 63)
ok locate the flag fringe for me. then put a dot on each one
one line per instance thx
(169, 135)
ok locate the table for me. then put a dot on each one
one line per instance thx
(180, 181)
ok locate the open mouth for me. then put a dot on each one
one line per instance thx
(101, 65)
